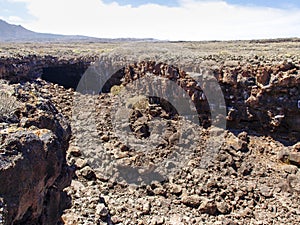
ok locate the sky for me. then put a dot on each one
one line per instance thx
(189, 20)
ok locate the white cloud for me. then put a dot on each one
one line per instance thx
(12, 19)
(192, 20)
(15, 19)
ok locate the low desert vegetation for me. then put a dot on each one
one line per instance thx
(8, 106)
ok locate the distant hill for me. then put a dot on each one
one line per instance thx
(17, 33)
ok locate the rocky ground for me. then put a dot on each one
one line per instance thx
(164, 169)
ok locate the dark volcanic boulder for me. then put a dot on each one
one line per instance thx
(33, 168)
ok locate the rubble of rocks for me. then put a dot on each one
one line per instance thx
(247, 182)
(34, 138)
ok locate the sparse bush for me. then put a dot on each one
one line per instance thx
(116, 89)
(138, 102)
(8, 106)
(142, 103)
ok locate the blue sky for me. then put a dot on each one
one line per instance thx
(11, 8)
(14, 9)
(267, 3)
(136, 3)
(165, 20)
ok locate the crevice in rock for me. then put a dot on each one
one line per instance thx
(262, 99)
(64, 75)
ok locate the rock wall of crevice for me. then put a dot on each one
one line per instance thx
(260, 98)
(34, 138)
